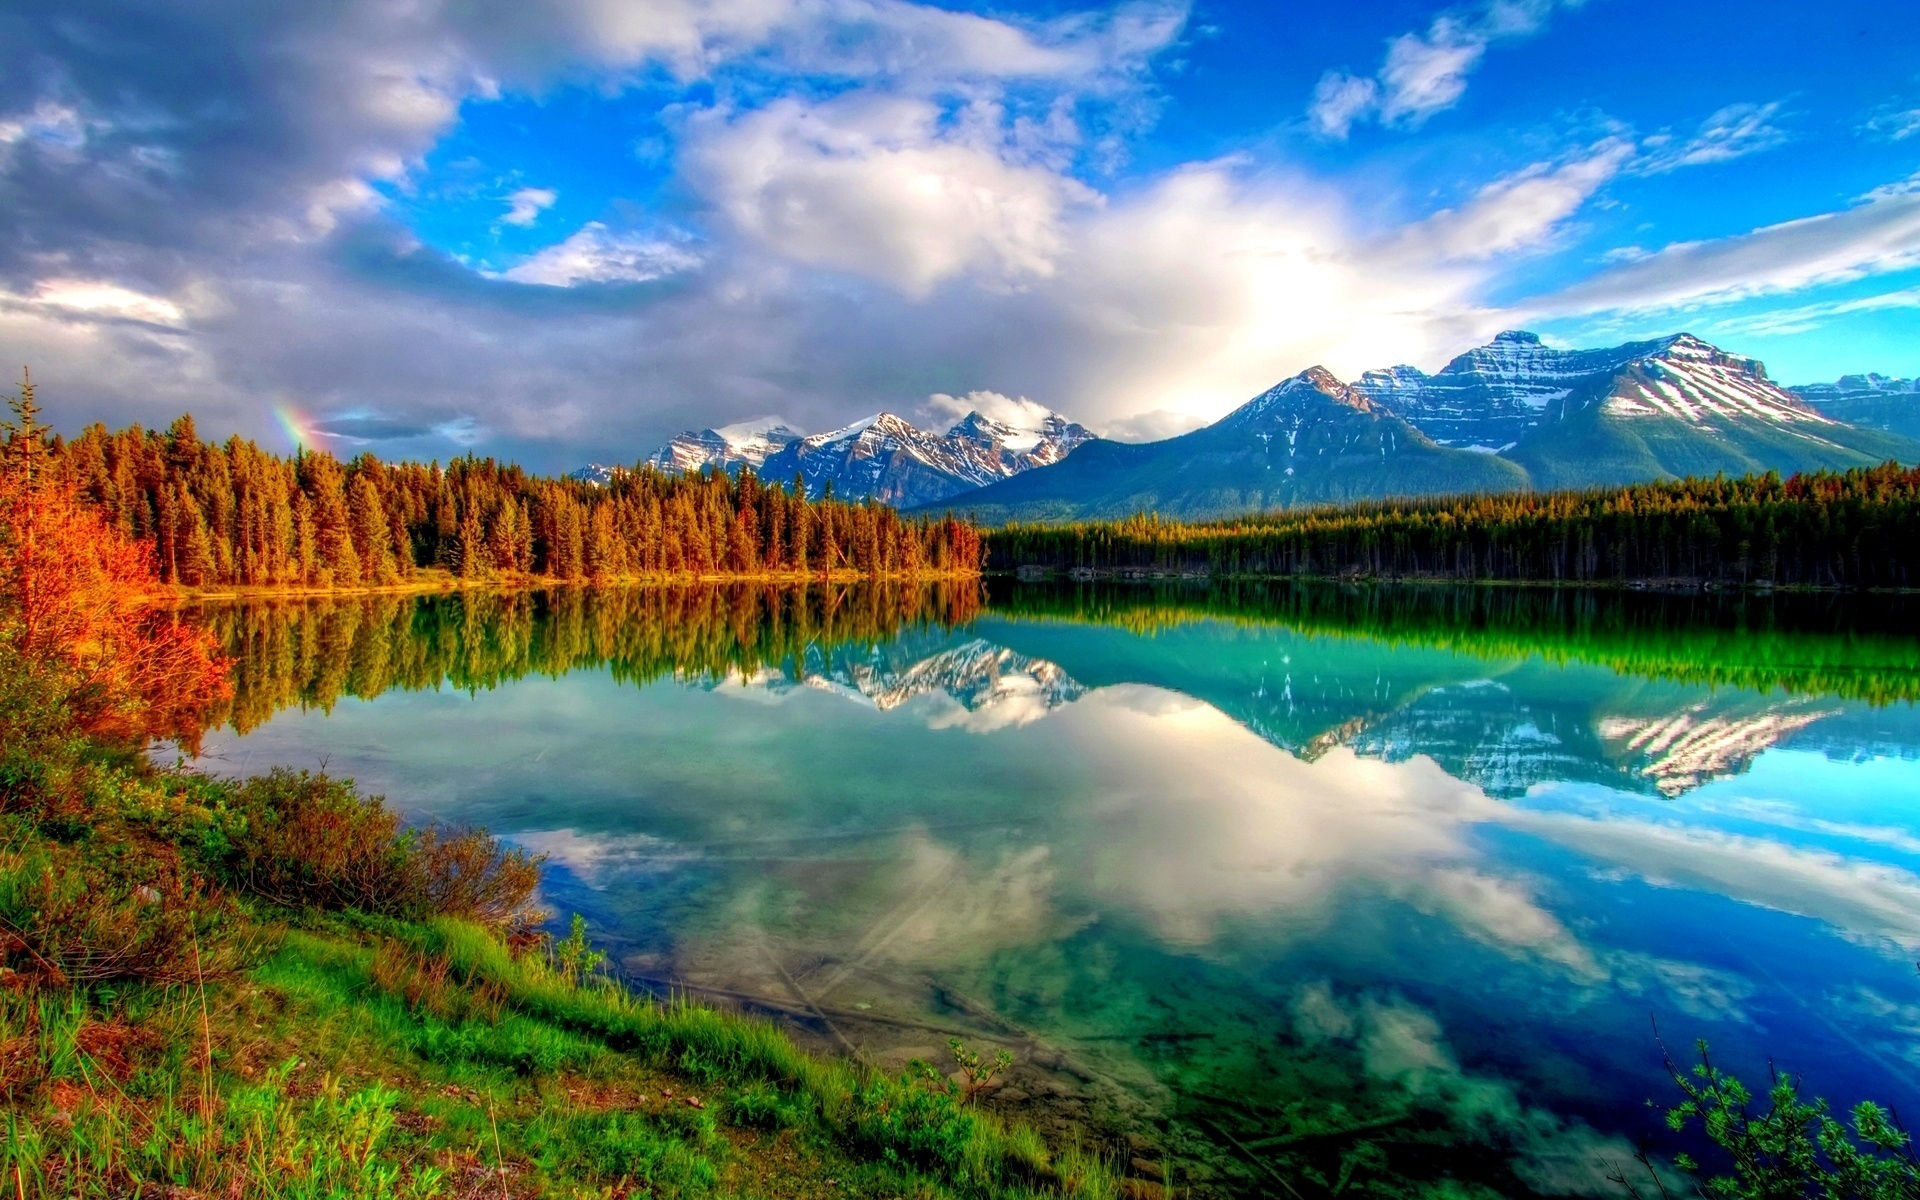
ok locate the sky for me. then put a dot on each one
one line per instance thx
(558, 231)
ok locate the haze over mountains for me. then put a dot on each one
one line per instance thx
(1512, 414)
(1509, 415)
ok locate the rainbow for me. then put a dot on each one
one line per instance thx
(298, 425)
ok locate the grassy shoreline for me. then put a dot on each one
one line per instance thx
(215, 987)
(422, 1059)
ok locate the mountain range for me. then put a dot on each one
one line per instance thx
(883, 457)
(1508, 415)
(1874, 401)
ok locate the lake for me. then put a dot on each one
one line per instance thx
(1377, 889)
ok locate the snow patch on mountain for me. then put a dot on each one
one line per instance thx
(888, 458)
(1493, 396)
(728, 448)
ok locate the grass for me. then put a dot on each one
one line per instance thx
(386, 1059)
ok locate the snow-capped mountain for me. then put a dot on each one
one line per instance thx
(597, 474)
(887, 458)
(1490, 398)
(730, 447)
(884, 456)
(1871, 401)
(1307, 440)
(1513, 413)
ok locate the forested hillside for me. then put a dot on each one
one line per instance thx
(230, 513)
(1846, 529)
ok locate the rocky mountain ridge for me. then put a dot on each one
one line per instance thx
(1871, 401)
(1512, 414)
(884, 457)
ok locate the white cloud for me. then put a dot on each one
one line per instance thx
(942, 411)
(596, 254)
(1892, 122)
(1878, 234)
(95, 299)
(1733, 132)
(525, 206)
(918, 43)
(1154, 426)
(1520, 211)
(1805, 317)
(1341, 99)
(1424, 73)
(49, 123)
(883, 187)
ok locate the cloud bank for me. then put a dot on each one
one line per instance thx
(866, 203)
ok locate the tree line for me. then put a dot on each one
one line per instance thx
(229, 513)
(1848, 529)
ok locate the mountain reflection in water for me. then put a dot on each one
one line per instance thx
(1318, 883)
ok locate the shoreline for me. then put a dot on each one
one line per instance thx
(1036, 574)
(448, 584)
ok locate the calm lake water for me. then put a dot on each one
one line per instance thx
(1382, 885)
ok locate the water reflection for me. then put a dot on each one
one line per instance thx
(1322, 884)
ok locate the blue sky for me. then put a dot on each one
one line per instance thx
(565, 230)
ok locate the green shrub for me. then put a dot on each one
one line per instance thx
(1789, 1149)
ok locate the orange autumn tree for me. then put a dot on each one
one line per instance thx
(83, 608)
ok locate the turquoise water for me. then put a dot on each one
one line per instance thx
(1269, 899)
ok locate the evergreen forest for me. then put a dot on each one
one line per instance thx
(230, 514)
(1851, 529)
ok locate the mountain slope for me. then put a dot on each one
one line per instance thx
(1308, 440)
(1680, 407)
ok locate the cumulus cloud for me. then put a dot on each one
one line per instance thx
(942, 411)
(884, 187)
(921, 226)
(1424, 73)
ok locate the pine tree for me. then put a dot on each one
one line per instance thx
(372, 536)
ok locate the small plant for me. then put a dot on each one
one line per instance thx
(1789, 1149)
(575, 958)
(976, 1073)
